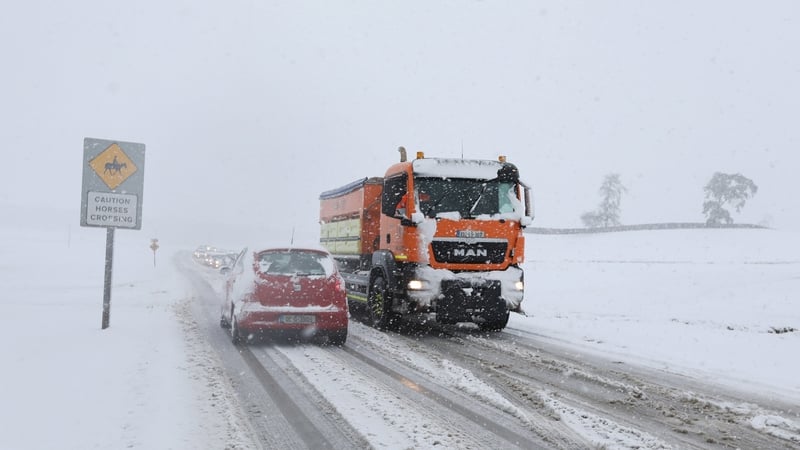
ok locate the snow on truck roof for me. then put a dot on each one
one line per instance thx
(479, 169)
(350, 187)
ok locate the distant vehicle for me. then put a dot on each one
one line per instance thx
(219, 260)
(222, 260)
(285, 289)
(213, 257)
(201, 253)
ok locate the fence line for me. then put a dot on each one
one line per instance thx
(648, 226)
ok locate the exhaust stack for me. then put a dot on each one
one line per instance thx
(402, 151)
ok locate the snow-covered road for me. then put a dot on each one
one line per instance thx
(459, 388)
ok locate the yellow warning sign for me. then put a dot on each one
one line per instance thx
(113, 166)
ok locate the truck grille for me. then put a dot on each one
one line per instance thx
(469, 251)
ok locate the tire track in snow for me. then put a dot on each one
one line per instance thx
(458, 389)
(624, 396)
(389, 414)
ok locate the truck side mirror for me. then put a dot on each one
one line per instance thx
(527, 219)
(394, 188)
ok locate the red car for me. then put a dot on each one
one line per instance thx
(285, 289)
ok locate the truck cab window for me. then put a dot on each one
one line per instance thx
(505, 194)
(468, 197)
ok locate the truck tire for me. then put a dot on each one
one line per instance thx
(379, 304)
(495, 324)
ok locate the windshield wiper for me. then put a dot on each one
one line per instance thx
(438, 203)
(478, 200)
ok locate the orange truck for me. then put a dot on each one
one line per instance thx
(434, 238)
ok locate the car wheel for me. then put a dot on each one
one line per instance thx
(223, 321)
(358, 310)
(378, 304)
(337, 338)
(236, 337)
(495, 324)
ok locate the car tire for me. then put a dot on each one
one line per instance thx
(379, 303)
(358, 310)
(337, 338)
(236, 336)
(224, 322)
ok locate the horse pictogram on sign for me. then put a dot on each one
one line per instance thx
(113, 166)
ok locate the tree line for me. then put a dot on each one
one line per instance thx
(722, 192)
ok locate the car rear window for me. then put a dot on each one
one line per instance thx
(295, 263)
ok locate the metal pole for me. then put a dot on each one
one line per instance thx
(107, 282)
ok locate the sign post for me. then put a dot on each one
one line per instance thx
(107, 278)
(111, 196)
(154, 247)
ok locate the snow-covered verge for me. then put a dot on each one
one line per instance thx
(720, 305)
(147, 381)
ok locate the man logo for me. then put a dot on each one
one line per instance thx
(465, 252)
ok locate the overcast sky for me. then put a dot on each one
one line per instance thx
(249, 109)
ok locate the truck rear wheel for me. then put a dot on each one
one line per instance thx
(379, 304)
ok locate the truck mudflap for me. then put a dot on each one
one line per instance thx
(464, 300)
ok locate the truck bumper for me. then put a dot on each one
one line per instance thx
(463, 301)
(456, 297)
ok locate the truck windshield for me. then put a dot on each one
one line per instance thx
(468, 197)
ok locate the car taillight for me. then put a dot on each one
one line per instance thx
(339, 283)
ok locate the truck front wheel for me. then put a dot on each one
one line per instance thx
(379, 304)
(494, 323)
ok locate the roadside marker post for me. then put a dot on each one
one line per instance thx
(154, 247)
(111, 196)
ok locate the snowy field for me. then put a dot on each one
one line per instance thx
(719, 305)
(148, 381)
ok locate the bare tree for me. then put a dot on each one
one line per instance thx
(609, 210)
(591, 219)
(723, 190)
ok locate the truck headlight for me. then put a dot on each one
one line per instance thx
(415, 285)
(519, 285)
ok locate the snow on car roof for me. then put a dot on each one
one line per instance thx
(251, 249)
(482, 169)
(291, 247)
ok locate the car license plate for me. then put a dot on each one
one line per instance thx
(296, 318)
